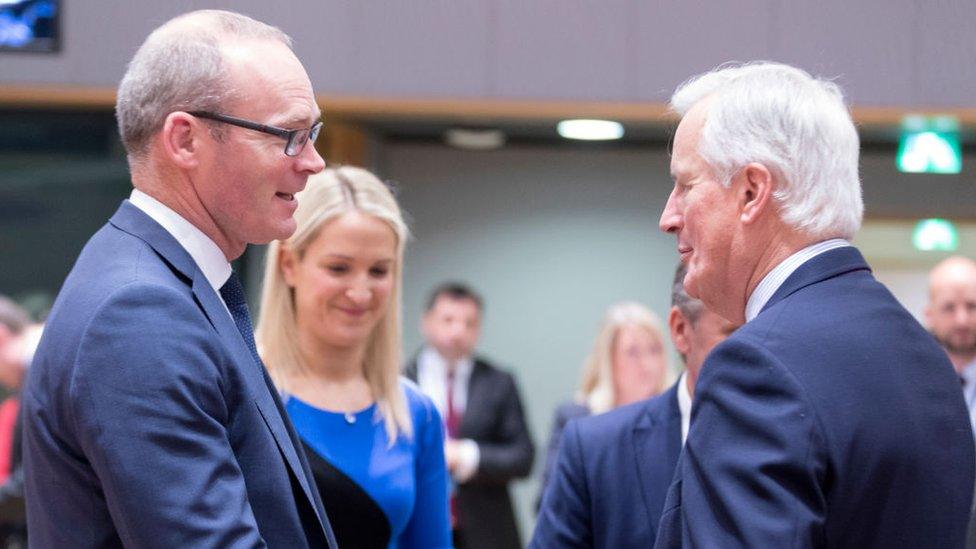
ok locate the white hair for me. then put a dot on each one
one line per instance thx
(796, 125)
(180, 68)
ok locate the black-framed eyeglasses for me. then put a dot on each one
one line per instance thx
(296, 139)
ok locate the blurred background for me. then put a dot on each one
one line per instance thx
(456, 103)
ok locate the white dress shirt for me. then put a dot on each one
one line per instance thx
(204, 251)
(968, 376)
(432, 378)
(684, 405)
(776, 277)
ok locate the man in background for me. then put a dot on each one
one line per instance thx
(951, 317)
(488, 443)
(613, 470)
(149, 418)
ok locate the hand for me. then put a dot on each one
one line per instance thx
(452, 455)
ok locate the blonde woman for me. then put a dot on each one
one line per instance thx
(330, 336)
(628, 363)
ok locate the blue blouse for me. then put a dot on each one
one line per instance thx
(374, 493)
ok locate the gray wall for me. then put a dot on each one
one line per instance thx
(885, 52)
(550, 237)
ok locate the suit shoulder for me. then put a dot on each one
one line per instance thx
(612, 422)
(493, 370)
(571, 410)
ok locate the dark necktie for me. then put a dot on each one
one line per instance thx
(233, 294)
(453, 424)
(453, 420)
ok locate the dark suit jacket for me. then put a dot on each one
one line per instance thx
(147, 421)
(611, 477)
(494, 419)
(830, 420)
(564, 413)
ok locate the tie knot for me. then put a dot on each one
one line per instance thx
(233, 292)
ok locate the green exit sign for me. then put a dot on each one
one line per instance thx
(929, 145)
(935, 235)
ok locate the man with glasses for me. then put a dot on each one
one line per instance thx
(150, 419)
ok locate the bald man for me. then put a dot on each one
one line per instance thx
(951, 317)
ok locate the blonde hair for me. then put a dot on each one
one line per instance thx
(596, 386)
(328, 195)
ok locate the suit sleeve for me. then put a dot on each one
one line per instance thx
(563, 414)
(754, 465)
(509, 455)
(564, 516)
(151, 413)
(429, 526)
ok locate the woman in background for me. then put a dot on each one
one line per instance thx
(329, 335)
(628, 363)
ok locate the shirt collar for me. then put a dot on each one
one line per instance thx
(431, 361)
(204, 251)
(684, 405)
(776, 277)
(969, 373)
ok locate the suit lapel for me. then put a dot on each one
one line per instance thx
(265, 395)
(134, 221)
(659, 427)
(819, 268)
(476, 399)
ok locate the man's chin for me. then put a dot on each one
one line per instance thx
(956, 347)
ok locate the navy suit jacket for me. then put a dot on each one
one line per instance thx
(611, 477)
(832, 419)
(147, 421)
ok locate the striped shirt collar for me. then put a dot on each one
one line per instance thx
(775, 278)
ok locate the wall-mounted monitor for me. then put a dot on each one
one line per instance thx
(30, 25)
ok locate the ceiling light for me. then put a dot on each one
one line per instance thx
(590, 130)
(480, 139)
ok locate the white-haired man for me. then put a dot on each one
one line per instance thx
(150, 421)
(831, 418)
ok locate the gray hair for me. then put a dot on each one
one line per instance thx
(180, 68)
(797, 126)
(690, 307)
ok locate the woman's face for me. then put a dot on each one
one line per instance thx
(342, 283)
(638, 364)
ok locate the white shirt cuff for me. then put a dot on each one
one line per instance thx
(468, 458)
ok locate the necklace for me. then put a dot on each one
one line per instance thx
(350, 418)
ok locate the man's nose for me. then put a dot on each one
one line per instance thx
(671, 220)
(310, 161)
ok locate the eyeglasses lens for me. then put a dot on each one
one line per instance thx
(301, 138)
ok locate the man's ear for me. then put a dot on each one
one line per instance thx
(678, 325)
(755, 191)
(182, 137)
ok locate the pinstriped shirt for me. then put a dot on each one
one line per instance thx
(775, 278)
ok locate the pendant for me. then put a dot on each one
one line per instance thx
(350, 418)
